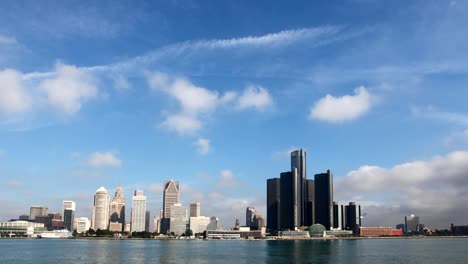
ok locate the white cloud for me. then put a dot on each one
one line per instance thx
(196, 102)
(69, 88)
(203, 146)
(227, 179)
(104, 159)
(430, 112)
(120, 83)
(182, 124)
(255, 97)
(340, 109)
(436, 189)
(7, 40)
(13, 97)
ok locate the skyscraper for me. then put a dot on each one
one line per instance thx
(37, 211)
(290, 218)
(100, 213)
(138, 212)
(273, 204)
(171, 196)
(353, 216)
(178, 222)
(117, 211)
(324, 199)
(338, 216)
(68, 214)
(194, 209)
(309, 203)
(249, 216)
(298, 161)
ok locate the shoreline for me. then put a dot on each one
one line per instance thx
(261, 239)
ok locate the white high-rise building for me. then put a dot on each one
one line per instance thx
(100, 214)
(82, 224)
(199, 224)
(178, 222)
(138, 212)
(68, 205)
(194, 209)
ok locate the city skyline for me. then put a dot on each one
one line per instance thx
(216, 96)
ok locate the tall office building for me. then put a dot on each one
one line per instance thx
(338, 216)
(171, 196)
(258, 222)
(298, 162)
(194, 209)
(353, 216)
(37, 211)
(411, 223)
(290, 216)
(324, 199)
(249, 216)
(178, 222)
(147, 221)
(117, 211)
(100, 213)
(68, 214)
(273, 204)
(138, 216)
(309, 205)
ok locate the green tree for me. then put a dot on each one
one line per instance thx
(188, 232)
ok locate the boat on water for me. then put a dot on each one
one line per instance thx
(64, 233)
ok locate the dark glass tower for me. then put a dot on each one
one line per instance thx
(309, 203)
(290, 200)
(338, 216)
(353, 216)
(68, 218)
(298, 162)
(324, 199)
(273, 204)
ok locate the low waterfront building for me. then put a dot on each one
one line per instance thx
(379, 231)
(459, 230)
(338, 233)
(82, 224)
(294, 234)
(234, 234)
(21, 229)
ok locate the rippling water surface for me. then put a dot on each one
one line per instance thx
(427, 251)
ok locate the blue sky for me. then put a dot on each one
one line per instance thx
(215, 94)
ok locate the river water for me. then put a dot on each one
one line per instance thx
(425, 250)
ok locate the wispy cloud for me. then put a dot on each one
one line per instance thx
(7, 40)
(315, 36)
(203, 146)
(431, 112)
(104, 159)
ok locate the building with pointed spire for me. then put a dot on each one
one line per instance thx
(171, 196)
(100, 213)
(117, 211)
